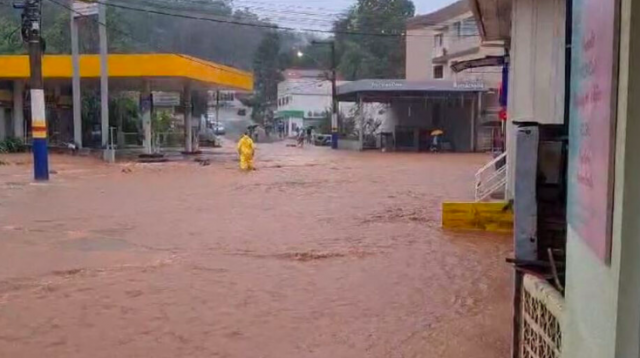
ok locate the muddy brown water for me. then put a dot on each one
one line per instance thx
(317, 254)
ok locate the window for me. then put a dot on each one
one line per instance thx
(438, 72)
(468, 27)
(438, 40)
(455, 28)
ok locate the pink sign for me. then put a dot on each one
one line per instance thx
(592, 122)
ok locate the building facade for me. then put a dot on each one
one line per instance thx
(449, 36)
(304, 99)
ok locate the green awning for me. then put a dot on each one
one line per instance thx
(290, 114)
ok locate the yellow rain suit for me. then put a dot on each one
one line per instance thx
(246, 149)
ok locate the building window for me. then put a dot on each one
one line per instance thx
(438, 40)
(467, 27)
(438, 72)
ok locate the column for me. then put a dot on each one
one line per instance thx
(145, 108)
(361, 115)
(525, 204)
(75, 80)
(18, 109)
(188, 126)
(3, 124)
(104, 75)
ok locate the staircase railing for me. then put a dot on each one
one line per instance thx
(492, 178)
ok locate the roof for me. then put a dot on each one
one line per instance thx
(168, 67)
(446, 13)
(349, 91)
(493, 18)
(297, 74)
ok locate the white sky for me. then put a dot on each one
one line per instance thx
(317, 14)
(422, 6)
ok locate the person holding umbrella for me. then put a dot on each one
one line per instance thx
(436, 140)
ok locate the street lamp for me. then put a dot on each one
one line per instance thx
(334, 97)
(300, 54)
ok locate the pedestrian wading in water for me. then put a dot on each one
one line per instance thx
(246, 150)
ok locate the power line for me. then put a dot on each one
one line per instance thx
(263, 25)
(190, 58)
(284, 15)
(285, 6)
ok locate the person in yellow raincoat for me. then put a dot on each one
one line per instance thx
(246, 149)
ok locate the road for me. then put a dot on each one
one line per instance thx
(318, 253)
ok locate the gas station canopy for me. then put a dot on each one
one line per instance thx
(165, 71)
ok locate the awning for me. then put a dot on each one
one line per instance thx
(487, 61)
(373, 90)
(167, 71)
(289, 114)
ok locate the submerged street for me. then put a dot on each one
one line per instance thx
(318, 253)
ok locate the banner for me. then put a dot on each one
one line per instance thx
(592, 122)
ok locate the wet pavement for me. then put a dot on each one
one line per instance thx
(317, 254)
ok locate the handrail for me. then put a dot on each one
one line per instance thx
(491, 163)
(495, 181)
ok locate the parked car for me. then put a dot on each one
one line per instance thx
(242, 112)
(322, 140)
(219, 129)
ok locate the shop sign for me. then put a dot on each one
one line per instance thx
(592, 122)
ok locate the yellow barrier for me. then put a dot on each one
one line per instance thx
(493, 216)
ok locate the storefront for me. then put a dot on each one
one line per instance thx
(576, 181)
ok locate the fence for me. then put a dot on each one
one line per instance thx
(542, 313)
(159, 140)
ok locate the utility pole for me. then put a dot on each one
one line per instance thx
(75, 82)
(217, 112)
(104, 74)
(334, 99)
(334, 94)
(31, 34)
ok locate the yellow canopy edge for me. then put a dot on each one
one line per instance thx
(133, 66)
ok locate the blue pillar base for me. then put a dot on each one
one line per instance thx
(334, 140)
(40, 159)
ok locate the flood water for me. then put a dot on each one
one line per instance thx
(319, 253)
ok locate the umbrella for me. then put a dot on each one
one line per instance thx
(437, 132)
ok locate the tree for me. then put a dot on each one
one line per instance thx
(267, 74)
(10, 37)
(369, 39)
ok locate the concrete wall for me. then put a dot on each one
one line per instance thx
(418, 59)
(349, 144)
(603, 301)
(537, 77)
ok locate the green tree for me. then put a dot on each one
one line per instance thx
(366, 39)
(10, 37)
(267, 73)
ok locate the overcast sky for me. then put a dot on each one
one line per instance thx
(422, 6)
(316, 14)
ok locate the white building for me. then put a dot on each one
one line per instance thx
(304, 99)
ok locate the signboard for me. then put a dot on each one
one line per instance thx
(6, 98)
(166, 99)
(470, 85)
(82, 8)
(592, 122)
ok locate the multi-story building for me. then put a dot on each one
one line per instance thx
(441, 39)
(304, 99)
